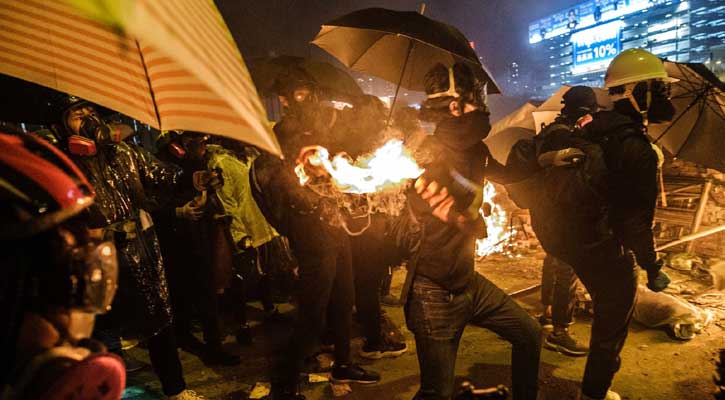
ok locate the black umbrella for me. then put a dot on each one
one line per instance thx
(697, 133)
(398, 46)
(332, 81)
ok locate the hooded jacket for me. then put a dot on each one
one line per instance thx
(456, 148)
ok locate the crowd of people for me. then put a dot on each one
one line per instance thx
(147, 241)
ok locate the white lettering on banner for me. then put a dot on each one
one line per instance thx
(594, 47)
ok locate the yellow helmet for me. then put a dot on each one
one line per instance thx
(635, 65)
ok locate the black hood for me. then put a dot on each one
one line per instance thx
(466, 131)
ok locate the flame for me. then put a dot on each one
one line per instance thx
(388, 166)
(496, 226)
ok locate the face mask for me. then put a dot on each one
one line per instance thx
(93, 128)
(661, 109)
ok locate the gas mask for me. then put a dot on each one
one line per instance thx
(92, 132)
(651, 99)
(56, 359)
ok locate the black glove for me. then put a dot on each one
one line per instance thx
(657, 280)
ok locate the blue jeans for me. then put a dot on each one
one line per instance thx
(438, 317)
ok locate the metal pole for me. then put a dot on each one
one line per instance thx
(700, 212)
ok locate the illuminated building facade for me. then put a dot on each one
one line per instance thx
(574, 46)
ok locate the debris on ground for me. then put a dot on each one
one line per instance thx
(340, 389)
(260, 390)
(683, 319)
(684, 261)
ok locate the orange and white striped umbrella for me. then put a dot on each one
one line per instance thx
(170, 64)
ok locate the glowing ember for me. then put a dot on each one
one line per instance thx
(496, 226)
(388, 166)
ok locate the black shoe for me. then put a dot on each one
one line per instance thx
(348, 373)
(216, 355)
(565, 344)
(388, 348)
(244, 335)
(189, 343)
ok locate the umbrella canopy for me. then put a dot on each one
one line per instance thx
(398, 46)
(501, 143)
(697, 132)
(172, 65)
(521, 118)
(332, 81)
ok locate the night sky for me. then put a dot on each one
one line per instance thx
(285, 27)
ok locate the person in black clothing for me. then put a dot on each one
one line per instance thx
(603, 239)
(447, 293)
(360, 131)
(558, 280)
(321, 247)
(185, 250)
(636, 80)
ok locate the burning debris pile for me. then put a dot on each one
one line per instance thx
(498, 228)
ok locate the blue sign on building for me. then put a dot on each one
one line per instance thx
(595, 47)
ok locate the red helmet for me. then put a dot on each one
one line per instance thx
(39, 185)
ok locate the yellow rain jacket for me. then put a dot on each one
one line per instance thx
(235, 196)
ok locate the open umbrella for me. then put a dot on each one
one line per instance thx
(398, 46)
(172, 65)
(547, 112)
(697, 132)
(332, 81)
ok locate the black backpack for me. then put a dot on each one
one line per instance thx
(580, 187)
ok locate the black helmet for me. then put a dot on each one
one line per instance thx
(294, 78)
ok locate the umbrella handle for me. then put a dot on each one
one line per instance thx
(402, 73)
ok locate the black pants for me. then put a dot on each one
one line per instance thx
(165, 361)
(191, 290)
(610, 277)
(325, 281)
(162, 352)
(438, 317)
(558, 290)
(372, 255)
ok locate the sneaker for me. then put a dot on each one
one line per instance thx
(216, 355)
(565, 344)
(388, 348)
(348, 373)
(187, 395)
(610, 396)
